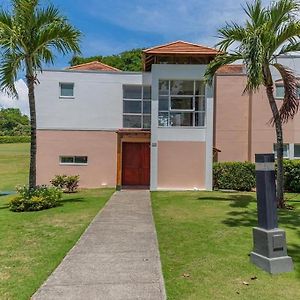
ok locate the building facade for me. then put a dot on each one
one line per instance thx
(157, 128)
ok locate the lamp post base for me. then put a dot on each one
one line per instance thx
(272, 265)
(270, 252)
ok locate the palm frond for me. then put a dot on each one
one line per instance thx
(290, 103)
(218, 62)
(229, 35)
(9, 66)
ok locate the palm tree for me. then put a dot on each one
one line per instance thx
(267, 33)
(29, 35)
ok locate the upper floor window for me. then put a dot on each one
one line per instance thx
(136, 106)
(279, 93)
(66, 90)
(181, 103)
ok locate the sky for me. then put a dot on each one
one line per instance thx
(112, 26)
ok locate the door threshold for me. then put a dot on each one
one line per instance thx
(135, 187)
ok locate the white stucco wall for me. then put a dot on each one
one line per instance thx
(97, 102)
(180, 72)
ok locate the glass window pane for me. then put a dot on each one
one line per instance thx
(200, 119)
(182, 103)
(297, 150)
(285, 150)
(132, 121)
(298, 92)
(163, 119)
(132, 92)
(163, 103)
(67, 89)
(164, 87)
(81, 159)
(147, 122)
(182, 87)
(147, 92)
(200, 88)
(181, 119)
(67, 159)
(279, 91)
(132, 106)
(200, 103)
(147, 107)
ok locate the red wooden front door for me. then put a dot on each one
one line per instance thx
(136, 164)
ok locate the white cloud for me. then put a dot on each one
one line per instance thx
(21, 103)
(192, 20)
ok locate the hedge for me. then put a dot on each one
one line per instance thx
(14, 139)
(240, 176)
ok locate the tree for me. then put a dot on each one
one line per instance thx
(268, 33)
(130, 60)
(29, 35)
(13, 123)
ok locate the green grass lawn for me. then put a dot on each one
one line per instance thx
(14, 165)
(205, 239)
(33, 244)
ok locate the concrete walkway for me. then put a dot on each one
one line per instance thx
(116, 258)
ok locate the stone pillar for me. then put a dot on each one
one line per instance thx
(269, 251)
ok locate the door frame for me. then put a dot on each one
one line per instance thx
(128, 136)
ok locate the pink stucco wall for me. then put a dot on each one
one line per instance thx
(99, 146)
(181, 165)
(231, 113)
(236, 137)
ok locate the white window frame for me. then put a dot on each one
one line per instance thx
(193, 111)
(141, 114)
(66, 97)
(73, 163)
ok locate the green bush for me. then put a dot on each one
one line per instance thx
(292, 175)
(68, 183)
(14, 139)
(40, 198)
(239, 176)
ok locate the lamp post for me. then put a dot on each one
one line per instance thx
(269, 251)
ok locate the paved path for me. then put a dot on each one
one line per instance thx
(116, 258)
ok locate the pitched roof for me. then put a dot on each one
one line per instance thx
(94, 66)
(231, 69)
(181, 47)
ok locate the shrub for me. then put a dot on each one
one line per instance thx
(238, 176)
(14, 139)
(292, 175)
(40, 198)
(68, 183)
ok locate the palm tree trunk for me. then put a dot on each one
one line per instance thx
(30, 84)
(279, 147)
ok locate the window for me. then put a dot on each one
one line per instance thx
(73, 160)
(286, 152)
(136, 106)
(297, 150)
(181, 103)
(280, 92)
(66, 90)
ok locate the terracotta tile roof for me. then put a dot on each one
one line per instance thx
(231, 69)
(94, 66)
(181, 47)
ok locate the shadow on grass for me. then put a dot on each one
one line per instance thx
(287, 220)
(4, 207)
(71, 200)
(238, 201)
